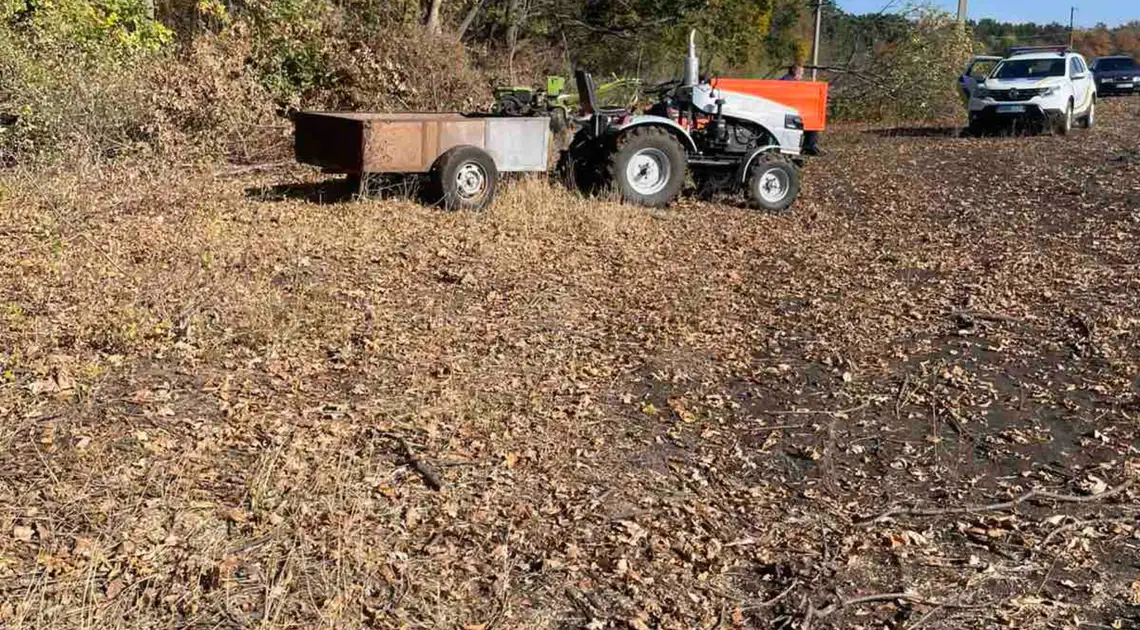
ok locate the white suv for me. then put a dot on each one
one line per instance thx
(1047, 87)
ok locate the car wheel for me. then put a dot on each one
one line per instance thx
(648, 167)
(1067, 121)
(1090, 117)
(465, 178)
(773, 182)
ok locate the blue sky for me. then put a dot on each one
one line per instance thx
(1089, 12)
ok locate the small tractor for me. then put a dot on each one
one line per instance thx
(560, 106)
(729, 140)
(730, 135)
(527, 101)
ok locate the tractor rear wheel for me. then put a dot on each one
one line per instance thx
(581, 165)
(648, 167)
(773, 182)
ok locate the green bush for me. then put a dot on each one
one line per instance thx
(73, 105)
(64, 100)
(90, 27)
(70, 71)
(292, 41)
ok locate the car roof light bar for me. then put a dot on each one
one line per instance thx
(1025, 50)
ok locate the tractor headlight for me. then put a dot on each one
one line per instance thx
(792, 121)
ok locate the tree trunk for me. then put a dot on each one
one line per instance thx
(433, 24)
(471, 15)
(514, 8)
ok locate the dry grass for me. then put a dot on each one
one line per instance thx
(203, 378)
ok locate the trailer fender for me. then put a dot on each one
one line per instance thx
(677, 130)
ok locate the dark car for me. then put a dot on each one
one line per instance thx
(1116, 75)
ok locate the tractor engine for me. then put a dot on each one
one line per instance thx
(715, 133)
(728, 135)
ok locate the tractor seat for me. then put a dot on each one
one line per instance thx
(586, 96)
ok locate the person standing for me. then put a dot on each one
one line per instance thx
(795, 73)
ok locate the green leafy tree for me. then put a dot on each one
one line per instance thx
(97, 27)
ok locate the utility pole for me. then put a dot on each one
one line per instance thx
(1072, 22)
(961, 11)
(815, 44)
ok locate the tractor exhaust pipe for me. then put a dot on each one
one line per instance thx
(692, 63)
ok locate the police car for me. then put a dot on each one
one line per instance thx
(1046, 87)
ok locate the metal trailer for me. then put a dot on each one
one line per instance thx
(462, 154)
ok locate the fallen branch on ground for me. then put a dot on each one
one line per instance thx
(775, 600)
(780, 427)
(913, 598)
(993, 317)
(1078, 524)
(250, 168)
(808, 412)
(430, 477)
(1003, 505)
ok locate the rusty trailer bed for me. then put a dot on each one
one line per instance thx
(360, 143)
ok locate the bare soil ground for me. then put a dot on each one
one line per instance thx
(226, 405)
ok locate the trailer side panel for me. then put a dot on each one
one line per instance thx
(518, 144)
(334, 143)
(363, 142)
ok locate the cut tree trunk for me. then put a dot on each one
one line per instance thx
(471, 15)
(433, 21)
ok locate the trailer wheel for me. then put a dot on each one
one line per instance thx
(773, 182)
(648, 167)
(464, 178)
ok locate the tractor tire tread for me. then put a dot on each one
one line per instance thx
(643, 137)
(761, 164)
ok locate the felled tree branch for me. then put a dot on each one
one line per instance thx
(430, 477)
(908, 596)
(1003, 505)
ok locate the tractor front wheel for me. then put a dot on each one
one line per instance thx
(773, 182)
(648, 167)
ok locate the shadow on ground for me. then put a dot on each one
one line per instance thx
(328, 191)
(340, 189)
(917, 132)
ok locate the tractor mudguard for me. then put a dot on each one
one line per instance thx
(742, 170)
(644, 119)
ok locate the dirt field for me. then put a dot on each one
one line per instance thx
(912, 402)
